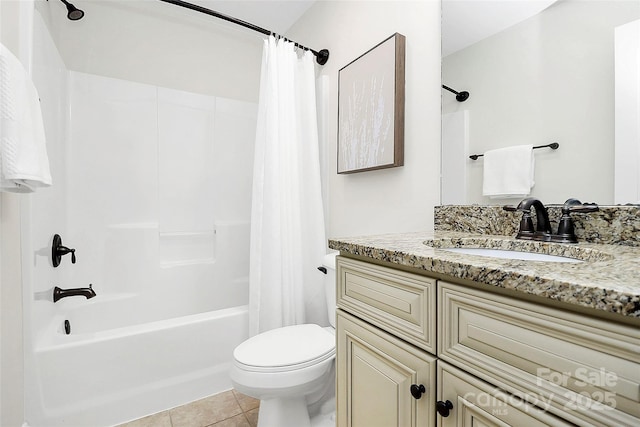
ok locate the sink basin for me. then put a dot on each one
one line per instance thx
(508, 254)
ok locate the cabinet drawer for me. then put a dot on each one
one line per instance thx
(587, 370)
(398, 302)
(476, 403)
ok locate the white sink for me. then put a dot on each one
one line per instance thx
(507, 254)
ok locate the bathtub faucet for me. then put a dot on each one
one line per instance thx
(58, 293)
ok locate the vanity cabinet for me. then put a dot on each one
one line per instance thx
(583, 369)
(376, 376)
(385, 373)
(493, 360)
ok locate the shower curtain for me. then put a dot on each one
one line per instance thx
(287, 223)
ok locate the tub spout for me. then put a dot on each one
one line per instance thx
(58, 293)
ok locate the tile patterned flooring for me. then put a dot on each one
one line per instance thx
(226, 409)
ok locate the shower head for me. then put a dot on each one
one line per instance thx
(73, 13)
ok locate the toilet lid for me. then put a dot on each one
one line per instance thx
(285, 347)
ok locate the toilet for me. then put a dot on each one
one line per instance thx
(289, 368)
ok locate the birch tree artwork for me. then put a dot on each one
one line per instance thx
(368, 109)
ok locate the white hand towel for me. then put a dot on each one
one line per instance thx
(508, 172)
(24, 164)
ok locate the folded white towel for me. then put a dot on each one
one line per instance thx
(24, 164)
(508, 172)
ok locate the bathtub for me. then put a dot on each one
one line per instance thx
(108, 376)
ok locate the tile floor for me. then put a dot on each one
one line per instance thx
(226, 409)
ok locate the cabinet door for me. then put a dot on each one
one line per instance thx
(375, 374)
(470, 402)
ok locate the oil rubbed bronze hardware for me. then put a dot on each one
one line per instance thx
(59, 293)
(566, 232)
(322, 56)
(444, 408)
(542, 233)
(417, 390)
(460, 96)
(57, 251)
(553, 146)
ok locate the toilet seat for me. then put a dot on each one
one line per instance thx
(285, 349)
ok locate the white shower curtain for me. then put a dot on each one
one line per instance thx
(287, 223)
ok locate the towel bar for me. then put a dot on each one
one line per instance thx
(553, 146)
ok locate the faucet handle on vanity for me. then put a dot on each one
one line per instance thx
(566, 232)
(525, 231)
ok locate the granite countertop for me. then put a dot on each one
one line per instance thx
(607, 280)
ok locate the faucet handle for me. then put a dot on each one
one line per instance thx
(525, 230)
(584, 208)
(57, 251)
(575, 205)
(566, 233)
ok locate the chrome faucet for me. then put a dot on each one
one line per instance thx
(58, 293)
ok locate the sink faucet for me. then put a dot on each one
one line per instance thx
(543, 233)
(58, 293)
(543, 227)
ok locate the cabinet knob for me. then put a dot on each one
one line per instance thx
(444, 408)
(417, 390)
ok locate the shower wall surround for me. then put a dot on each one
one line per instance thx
(160, 194)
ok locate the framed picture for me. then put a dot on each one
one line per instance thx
(371, 109)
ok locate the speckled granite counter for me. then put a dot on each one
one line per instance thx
(618, 225)
(609, 280)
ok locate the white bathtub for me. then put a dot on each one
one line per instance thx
(111, 376)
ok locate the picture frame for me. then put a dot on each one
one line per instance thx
(371, 92)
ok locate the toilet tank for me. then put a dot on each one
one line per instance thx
(329, 262)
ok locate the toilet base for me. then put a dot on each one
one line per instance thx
(289, 412)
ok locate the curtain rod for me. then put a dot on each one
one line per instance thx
(321, 57)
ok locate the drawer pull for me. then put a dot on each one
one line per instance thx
(444, 408)
(417, 390)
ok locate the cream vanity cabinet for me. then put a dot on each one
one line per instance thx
(385, 373)
(501, 361)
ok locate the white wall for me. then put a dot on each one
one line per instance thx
(397, 199)
(549, 78)
(160, 44)
(15, 33)
(627, 122)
